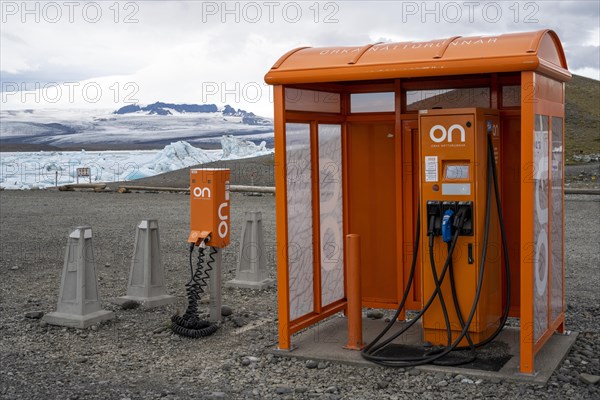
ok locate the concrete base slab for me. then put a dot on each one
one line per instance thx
(146, 302)
(76, 321)
(250, 285)
(326, 340)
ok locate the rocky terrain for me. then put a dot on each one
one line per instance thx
(135, 356)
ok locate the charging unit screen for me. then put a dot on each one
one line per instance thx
(456, 172)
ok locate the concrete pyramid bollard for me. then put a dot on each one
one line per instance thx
(146, 276)
(78, 301)
(251, 272)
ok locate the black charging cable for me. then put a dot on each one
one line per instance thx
(505, 253)
(189, 324)
(369, 352)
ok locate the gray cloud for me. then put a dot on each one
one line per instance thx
(583, 57)
(171, 49)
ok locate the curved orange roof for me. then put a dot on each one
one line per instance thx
(527, 51)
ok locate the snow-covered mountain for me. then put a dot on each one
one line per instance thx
(131, 127)
(159, 108)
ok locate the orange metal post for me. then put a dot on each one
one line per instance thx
(316, 214)
(283, 300)
(527, 189)
(354, 310)
(399, 160)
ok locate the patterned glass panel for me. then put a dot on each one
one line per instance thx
(312, 100)
(557, 216)
(299, 218)
(540, 227)
(331, 218)
(372, 102)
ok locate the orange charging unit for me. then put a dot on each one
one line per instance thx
(209, 206)
(454, 157)
(209, 233)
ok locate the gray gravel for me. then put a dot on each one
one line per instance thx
(256, 171)
(136, 357)
(583, 175)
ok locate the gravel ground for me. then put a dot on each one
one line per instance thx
(257, 171)
(583, 175)
(135, 357)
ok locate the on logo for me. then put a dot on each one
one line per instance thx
(202, 192)
(438, 138)
(223, 226)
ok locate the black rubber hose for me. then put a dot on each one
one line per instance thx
(370, 351)
(406, 293)
(459, 315)
(379, 346)
(415, 361)
(493, 173)
(504, 246)
(461, 320)
(189, 324)
(473, 357)
(506, 311)
(438, 287)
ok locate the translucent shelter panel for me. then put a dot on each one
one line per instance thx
(372, 102)
(447, 98)
(511, 96)
(540, 226)
(312, 100)
(557, 217)
(299, 219)
(331, 209)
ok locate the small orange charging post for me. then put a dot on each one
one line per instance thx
(209, 207)
(210, 232)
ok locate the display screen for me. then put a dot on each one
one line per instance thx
(454, 172)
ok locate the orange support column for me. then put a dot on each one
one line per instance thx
(283, 298)
(354, 295)
(527, 189)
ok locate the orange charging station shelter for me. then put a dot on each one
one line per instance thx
(366, 136)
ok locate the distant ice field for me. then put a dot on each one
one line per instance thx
(69, 128)
(42, 169)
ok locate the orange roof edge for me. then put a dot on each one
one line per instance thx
(524, 51)
(286, 56)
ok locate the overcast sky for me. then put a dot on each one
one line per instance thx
(108, 54)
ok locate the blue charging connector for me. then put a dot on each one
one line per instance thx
(447, 226)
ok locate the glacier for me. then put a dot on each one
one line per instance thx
(43, 169)
(103, 130)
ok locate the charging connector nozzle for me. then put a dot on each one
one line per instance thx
(447, 225)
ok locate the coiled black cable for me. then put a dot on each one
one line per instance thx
(189, 324)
